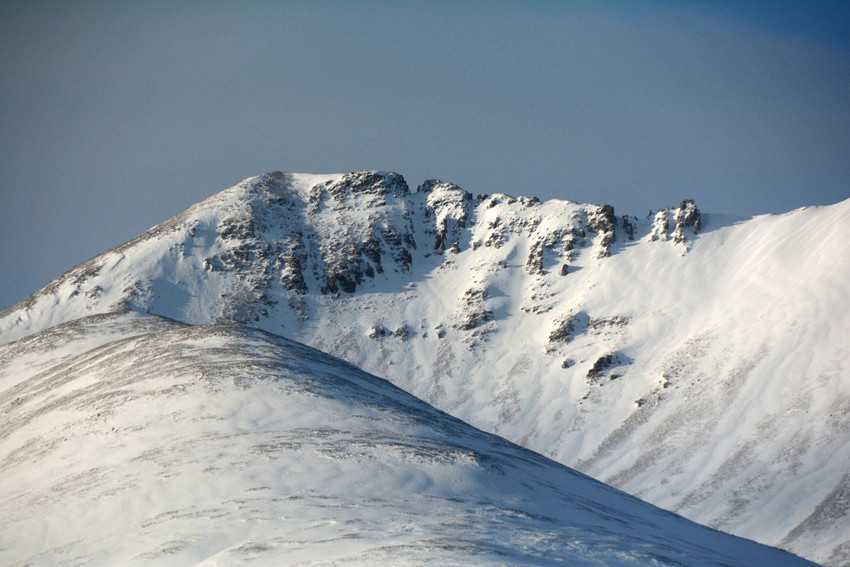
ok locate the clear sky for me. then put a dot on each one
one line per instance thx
(117, 115)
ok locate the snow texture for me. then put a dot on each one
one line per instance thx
(131, 439)
(698, 362)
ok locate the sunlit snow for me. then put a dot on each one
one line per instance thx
(130, 439)
(705, 371)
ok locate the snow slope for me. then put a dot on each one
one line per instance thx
(132, 439)
(698, 363)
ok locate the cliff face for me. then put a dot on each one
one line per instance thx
(276, 238)
(699, 367)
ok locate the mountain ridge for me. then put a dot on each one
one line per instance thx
(257, 199)
(700, 370)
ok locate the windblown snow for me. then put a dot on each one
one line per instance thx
(132, 439)
(695, 361)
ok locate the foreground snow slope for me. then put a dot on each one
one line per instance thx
(698, 364)
(131, 439)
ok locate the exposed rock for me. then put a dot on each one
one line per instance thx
(603, 222)
(568, 328)
(601, 364)
(563, 333)
(290, 264)
(497, 238)
(628, 227)
(237, 228)
(379, 183)
(345, 279)
(377, 331)
(660, 226)
(449, 206)
(598, 324)
(402, 332)
(687, 216)
(534, 263)
(473, 314)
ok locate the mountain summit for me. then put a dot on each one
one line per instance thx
(285, 244)
(698, 364)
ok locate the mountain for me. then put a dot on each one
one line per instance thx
(695, 361)
(134, 439)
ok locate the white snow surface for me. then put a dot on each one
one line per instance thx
(706, 371)
(131, 439)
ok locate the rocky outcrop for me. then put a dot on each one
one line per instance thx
(660, 226)
(685, 219)
(628, 227)
(277, 238)
(472, 311)
(602, 363)
(377, 183)
(370, 222)
(448, 206)
(603, 222)
(567, 328)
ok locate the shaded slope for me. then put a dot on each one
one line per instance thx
(134, 439)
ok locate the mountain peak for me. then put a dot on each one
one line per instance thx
(648, 352)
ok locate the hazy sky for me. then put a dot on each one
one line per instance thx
(117, 115)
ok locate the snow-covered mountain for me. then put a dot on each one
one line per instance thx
(133, 439)
(696, 362)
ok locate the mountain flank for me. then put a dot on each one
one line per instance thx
(698, 364)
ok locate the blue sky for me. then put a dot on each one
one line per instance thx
(115, 116)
